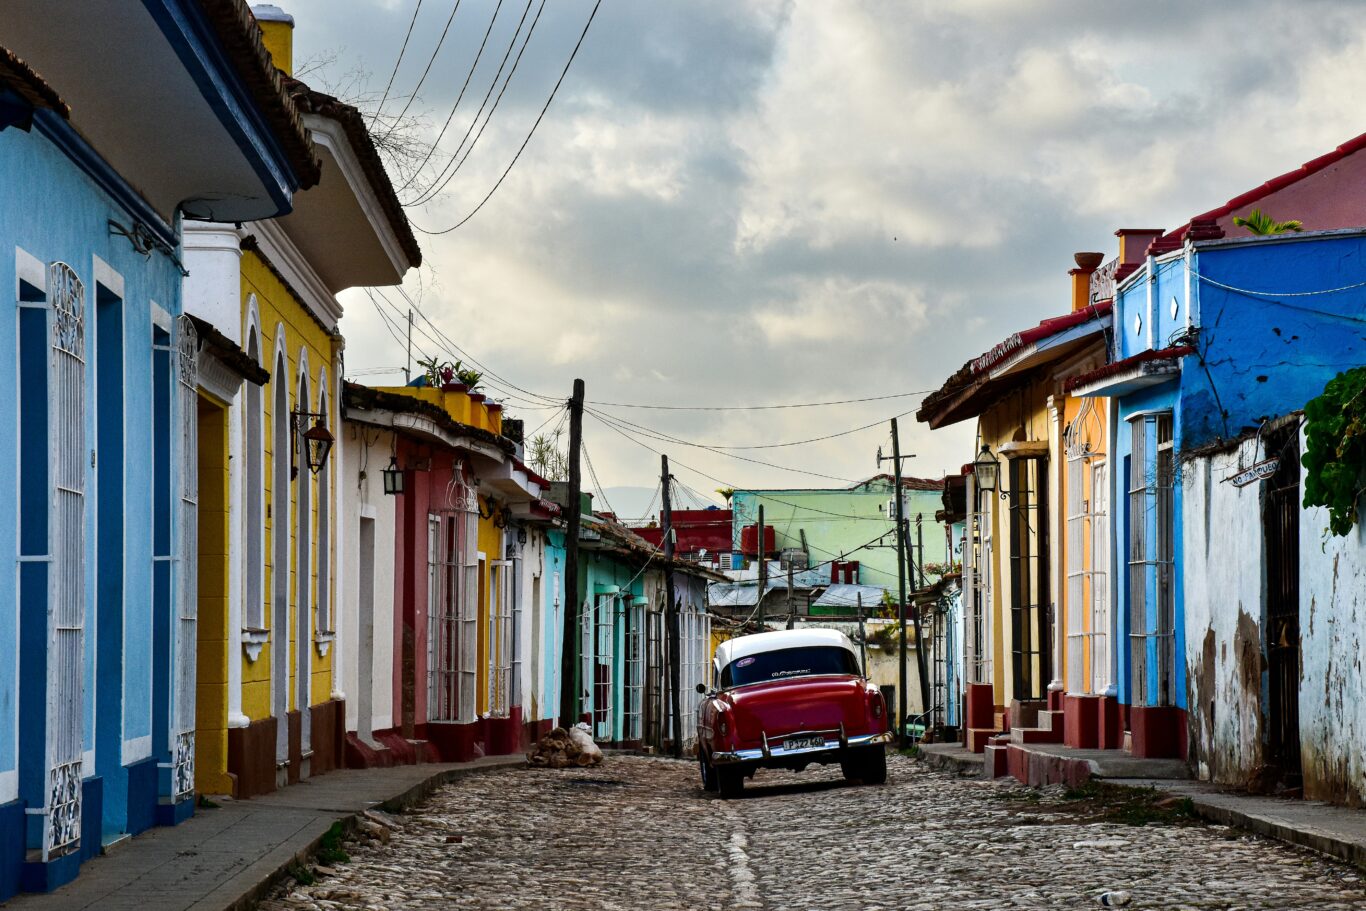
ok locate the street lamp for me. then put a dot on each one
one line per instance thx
(317, 442)
(986, 469)
(393, 478)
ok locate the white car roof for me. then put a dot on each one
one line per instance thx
(758, 643)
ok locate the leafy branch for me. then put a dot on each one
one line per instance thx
(1258, 222)
(1335, 449)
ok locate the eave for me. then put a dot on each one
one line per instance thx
(1148, 368)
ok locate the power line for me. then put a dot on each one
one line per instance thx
(661, 435)
(430, 60)
(451, 116)
(583, 447)
(394, 72)
(448, 172)
(815, 474)
(531, 133)
(872, 398)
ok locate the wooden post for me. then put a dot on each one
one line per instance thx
(791, 602)
(569, 694)
(901, 583)
(671, 612)
(763, 566)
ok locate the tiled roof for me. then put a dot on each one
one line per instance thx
(1125, 365)
(985, 362)
(229, 353)
(311, 101)
(17, 76)
(240, 36)
(354, 395)
(1174, 238)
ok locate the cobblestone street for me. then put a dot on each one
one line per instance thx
(638, 833)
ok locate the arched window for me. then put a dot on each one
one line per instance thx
(254, 489)
(279, 550)
(324, 596)
(303, 560)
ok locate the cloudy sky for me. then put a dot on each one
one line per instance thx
(739, 203)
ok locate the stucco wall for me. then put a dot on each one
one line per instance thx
(1333, 647)
(1224, 598)
(367, 638)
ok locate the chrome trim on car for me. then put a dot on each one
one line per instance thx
(771, 751)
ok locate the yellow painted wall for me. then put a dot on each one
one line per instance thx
(211, 697)
(491, 545)
(1091, 430)
(1022, 414)
(280, 311)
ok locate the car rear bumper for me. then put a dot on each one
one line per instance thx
(776, 750)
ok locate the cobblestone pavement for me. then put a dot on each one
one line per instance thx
(638, 833)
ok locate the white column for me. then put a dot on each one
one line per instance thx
(237, 519)
(338, 533)
(1057, 467)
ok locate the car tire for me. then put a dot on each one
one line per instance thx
(708, 774)
(868, 765)
(875, 766)
(730, 782)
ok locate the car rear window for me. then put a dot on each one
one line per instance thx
(783, 664)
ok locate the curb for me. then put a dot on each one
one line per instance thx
(1324, 842)
(413, 795)
(954, 764)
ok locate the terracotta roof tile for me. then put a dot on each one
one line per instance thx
(18, 77)
(1128, 363)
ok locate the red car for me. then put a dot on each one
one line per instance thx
(787, 700)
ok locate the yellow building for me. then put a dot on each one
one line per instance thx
(1025, 553)
(270, 707)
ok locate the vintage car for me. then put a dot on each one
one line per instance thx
(786, 700)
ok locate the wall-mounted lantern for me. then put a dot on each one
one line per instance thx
(986, 469)
(318, 442)
(393, 478)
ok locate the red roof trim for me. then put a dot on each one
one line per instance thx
(1309, 168)
(1128, 363)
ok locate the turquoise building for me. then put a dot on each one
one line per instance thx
(98, 624)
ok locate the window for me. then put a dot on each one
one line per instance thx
(500, 640)
(787, 663)
(1087, 527)
(1029, 605)
(603, 649)
(324, 606)
(634, 640)
(254, 570)
(187, 392)
(1151, 590)
(977, 585)
(452, 609)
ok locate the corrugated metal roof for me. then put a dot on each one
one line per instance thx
(843, 594)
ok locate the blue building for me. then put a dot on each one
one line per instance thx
(1215, 337)
(115, 124)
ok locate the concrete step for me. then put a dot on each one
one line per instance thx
(1025, 736)
(978, 737)
(995, 762)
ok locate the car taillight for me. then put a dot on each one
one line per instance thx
(723, 727)
(877, 708)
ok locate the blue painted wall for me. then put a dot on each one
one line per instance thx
(60, 211)
(552, 593)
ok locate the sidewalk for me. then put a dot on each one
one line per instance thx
(225, 859)
(1333, 830)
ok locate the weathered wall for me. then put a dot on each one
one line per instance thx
(1224, 591)
(367, 635)
(1333, 646)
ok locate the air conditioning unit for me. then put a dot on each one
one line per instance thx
(732, 561)
(890, 509)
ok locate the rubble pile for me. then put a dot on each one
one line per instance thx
(563, 748)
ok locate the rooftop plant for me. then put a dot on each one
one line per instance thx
(1335, 449)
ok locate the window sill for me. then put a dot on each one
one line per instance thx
(253, 640)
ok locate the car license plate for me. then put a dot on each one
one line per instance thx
(803, 743)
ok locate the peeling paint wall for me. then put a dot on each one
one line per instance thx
(1224, 593)
(1332, 682)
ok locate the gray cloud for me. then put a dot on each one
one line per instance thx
(749, 202)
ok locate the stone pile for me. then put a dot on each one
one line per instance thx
(563, 748)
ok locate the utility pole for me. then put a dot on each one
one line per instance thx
(408, 365)
(862, 636)
(900, 581)
(569, 697)
(671, 610)
(920, 657)
(763, 566)
(791, 603)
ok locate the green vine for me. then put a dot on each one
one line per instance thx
(1335, 450)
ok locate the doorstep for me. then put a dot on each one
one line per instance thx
(1337, 831)
(952, 757)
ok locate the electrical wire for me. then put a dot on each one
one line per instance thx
(662, 436)
(531, 133)
(871, 398)
(431, 150)
(394, 72)
(583, 448)
(816, 474)
(430, 60)
(448, 172)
